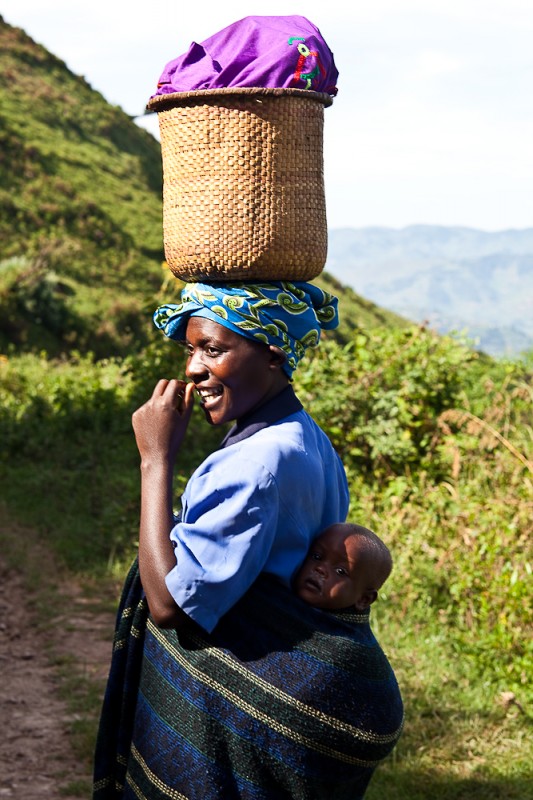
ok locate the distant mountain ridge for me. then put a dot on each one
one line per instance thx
(455, 278)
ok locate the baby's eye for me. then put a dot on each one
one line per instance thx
(316, 556)
(340, 571)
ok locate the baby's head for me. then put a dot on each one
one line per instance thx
(346, 566)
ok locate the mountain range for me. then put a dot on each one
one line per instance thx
(456, 279)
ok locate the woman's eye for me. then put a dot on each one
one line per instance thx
(212, 351)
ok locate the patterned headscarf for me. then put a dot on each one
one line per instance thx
(287, 315)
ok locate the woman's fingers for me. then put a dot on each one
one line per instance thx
(160, 387)
(177, 394)
(174, 391)
(160, 424)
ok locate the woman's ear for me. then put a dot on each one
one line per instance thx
(277, 356)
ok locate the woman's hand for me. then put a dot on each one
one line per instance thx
(160, 424)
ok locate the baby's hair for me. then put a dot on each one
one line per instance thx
(375, 547)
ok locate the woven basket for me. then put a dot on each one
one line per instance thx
(243, 194)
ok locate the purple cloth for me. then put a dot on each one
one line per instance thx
(268, 52)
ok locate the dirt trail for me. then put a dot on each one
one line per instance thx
(37, 759)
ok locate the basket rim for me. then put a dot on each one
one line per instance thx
(161, 102)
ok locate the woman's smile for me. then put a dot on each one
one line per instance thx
(209, 395)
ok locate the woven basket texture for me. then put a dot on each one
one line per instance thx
(243, 189)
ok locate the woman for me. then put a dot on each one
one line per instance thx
(225, 705)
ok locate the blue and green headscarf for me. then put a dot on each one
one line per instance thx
(289, 315)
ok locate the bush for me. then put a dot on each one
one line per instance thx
(379, 397)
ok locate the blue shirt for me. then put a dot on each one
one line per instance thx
(254, 506)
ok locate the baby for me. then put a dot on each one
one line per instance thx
(344, 568)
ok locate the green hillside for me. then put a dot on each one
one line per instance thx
(80, 209)
(81, 213)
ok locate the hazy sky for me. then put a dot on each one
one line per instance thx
(433, 122)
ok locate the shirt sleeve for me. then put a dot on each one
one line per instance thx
(229, 522)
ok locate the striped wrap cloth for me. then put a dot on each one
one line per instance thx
(281, 701)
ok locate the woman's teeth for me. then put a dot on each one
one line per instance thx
(206, 394)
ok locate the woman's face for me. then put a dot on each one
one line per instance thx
(233, 375)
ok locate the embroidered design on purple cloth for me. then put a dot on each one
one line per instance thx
(305, 53)
(268, 52)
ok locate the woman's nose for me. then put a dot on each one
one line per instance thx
(195, 367)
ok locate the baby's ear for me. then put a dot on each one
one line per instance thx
(366, 599)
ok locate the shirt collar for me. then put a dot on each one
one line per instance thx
(282, 405)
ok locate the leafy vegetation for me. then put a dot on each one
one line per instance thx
(434, 436)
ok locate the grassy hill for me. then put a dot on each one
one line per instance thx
(81, 215)
(80, 210)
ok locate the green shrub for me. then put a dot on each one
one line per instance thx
(379, 397)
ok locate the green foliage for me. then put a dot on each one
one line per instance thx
(67, 421)
(66, 439)
(378, 397)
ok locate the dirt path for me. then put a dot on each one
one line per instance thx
(37, 757)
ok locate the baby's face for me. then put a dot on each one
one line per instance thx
(333, 575)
